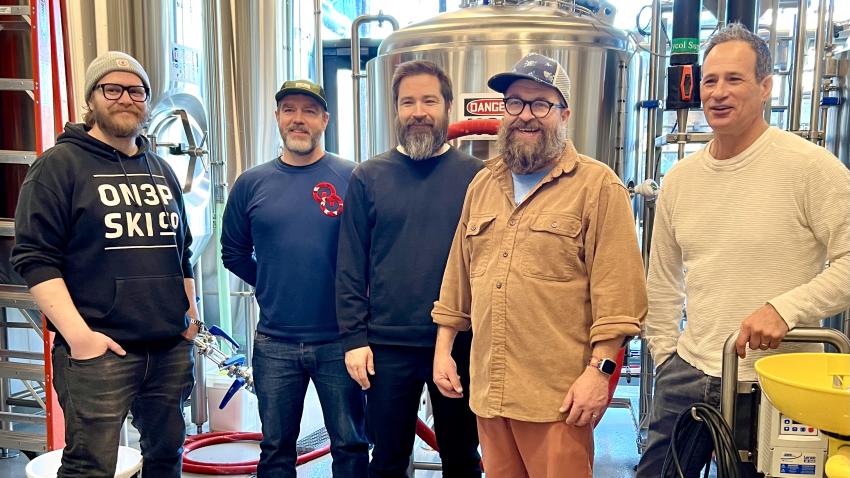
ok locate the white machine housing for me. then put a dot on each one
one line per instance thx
(787, 449)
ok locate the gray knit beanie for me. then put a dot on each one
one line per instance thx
(113, 61)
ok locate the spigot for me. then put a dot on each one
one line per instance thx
(647, 189)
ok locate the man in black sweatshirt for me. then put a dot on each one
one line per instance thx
(401, 211)
(102, 240)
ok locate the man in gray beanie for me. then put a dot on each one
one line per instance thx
(102, 240)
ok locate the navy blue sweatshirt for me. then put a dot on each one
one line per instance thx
(114, 228)
(280, 235)
(397, 230)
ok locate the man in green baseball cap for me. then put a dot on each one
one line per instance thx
(302, 87)
(279, 234)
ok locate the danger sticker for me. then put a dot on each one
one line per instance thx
(483, 107)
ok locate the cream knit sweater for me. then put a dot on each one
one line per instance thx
(734, 234)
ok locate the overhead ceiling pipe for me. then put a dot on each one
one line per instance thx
(744, 12)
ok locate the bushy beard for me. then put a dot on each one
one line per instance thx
(300, 146)
(523, 157)
(421, 145)
(105, 117)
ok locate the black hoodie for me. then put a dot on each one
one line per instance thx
(114, 228)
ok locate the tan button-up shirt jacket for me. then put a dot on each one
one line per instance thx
(541, 282)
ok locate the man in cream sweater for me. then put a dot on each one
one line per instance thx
(743, 230)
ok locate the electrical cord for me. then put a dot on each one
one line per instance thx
(692, 423)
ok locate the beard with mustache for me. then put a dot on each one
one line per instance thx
(106, 118)
(300, 146)
(523, 157)
(421, 145)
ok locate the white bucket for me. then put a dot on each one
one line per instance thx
(241, 413)
(46, 466)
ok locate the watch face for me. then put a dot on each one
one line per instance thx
(607, 366)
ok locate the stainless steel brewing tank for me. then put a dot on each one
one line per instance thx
(472, 44)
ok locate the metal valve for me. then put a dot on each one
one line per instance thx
(207, 343)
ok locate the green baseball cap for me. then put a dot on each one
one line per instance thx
(302, 87)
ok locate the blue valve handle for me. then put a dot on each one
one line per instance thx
(238, 359)
(216, 330)
(234, 387)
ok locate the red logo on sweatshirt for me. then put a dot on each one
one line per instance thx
(329, 202)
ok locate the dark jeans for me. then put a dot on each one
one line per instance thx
(96, 394)
(393, 404)
(678, 385)
(282, 371)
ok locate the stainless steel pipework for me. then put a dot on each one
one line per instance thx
(771, 46)
(647, 370)
(816, 130)
(317, 45)
(651, 120)
(355, 70)
(800, 41)
(682, 121)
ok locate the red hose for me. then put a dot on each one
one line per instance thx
(427, 435)
(247, 467)
(474, 126)
(240, 468)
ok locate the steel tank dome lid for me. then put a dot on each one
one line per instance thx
(509, 24)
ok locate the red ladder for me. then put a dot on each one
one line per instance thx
(33, 125)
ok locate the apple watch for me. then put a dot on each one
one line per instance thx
(606, 366)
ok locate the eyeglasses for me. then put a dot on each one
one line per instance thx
(539, 108)
(112, 91)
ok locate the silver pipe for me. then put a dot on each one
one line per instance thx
(830, 24)
(355, 70)
(651, 128)
(291, 37)
(817, 74)
(646, 365)
(5, 382)
(771, 46)
(199, 411)
(683, 129)
(721, 14)
(317, 46)
(800, 41)
(729, 372)
(619, 156)
(252, 317)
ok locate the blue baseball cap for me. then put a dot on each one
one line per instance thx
(535, 67)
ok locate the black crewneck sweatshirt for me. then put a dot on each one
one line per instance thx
(396, 232)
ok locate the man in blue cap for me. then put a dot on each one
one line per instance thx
(546, 271)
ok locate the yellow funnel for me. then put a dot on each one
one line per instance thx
(810, 388)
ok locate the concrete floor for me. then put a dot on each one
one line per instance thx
(616, 449)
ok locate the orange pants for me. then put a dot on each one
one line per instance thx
(517, 449)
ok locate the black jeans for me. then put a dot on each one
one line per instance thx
(282, 372)
(96, 394)
(392, 404)
(678, 385)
